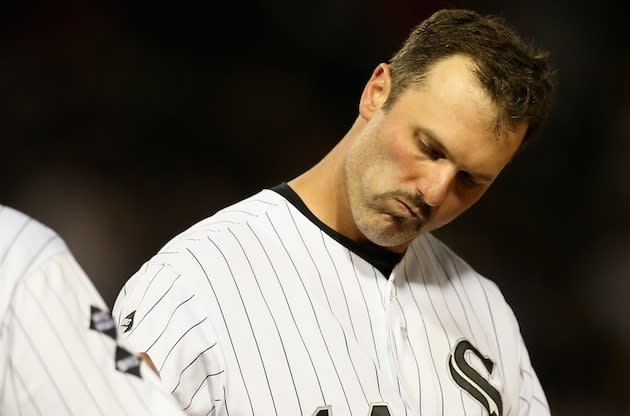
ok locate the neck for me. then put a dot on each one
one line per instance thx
(323, 188)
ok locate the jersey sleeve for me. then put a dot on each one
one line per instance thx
(532, 400)
(59, 352)
(159, 312)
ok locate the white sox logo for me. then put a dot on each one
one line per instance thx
(470, 380)
(376, 409)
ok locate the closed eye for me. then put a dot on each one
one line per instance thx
(431, 152)
(467, 179)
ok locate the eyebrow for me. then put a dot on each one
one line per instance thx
(437, 143)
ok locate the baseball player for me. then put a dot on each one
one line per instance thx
(327, 295)
(59, 353)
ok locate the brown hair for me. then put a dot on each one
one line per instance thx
(518, 79)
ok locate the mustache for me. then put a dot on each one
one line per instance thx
(413, 200)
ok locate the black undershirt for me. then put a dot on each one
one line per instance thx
(379, 257)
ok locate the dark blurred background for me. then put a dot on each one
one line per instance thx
(123, 123)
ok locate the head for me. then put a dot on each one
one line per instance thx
(439, 123)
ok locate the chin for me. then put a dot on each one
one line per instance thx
(391, 240)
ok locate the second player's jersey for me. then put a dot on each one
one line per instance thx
(263, 310)
(59, 352)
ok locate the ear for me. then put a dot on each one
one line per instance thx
(375, 92)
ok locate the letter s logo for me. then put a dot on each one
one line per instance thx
(470, 380)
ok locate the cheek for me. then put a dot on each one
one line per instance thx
(401, 158)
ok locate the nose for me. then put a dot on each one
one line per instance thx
(436, 183)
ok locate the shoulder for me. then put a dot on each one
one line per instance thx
(207, 249)
(251, 210)
(25, 244)
(219, 232)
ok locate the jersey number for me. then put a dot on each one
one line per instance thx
(376, 410)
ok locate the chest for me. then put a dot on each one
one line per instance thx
(327, 334)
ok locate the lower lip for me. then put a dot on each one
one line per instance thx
(407, 209)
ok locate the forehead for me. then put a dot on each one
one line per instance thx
(451, 103)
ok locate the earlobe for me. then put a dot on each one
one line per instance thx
(375, 92)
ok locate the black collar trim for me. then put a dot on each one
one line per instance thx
(379, 257)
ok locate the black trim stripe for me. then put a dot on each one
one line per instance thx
(377, 256)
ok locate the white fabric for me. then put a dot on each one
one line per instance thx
(51, 362)
(258, 311)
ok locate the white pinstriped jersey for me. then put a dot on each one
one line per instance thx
(58, 349)
(261, 309)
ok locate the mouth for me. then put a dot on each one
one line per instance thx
(412, 211)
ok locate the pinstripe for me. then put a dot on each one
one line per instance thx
(226, 405)
(3, 380)
(297, 277)
(345, 339)
(152, 307)
(191, 363)
(540, 401)
(197, 390)
(178, 340)
(494, 326)
(297, 327)
(81, 336)
(168, 322)
(437, 276)
(313, 309)
(367, 312)
(47, 351)
(459, 278)
(125, 295)
(273, 319)
(263, 202)
(15, 238)
(32, 260)
(25, 388)
(249, 321)
(380, 292)
(62, 344)
(216, 299)
(319, 274)
(40, 359)
(225, 211)
(212, 409)
(149, 285)
(424, 325)
(495, 331)
(449, 279)
(104, 340)
(12, 372)
(343, 291)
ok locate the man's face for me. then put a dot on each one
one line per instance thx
(428, 158)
